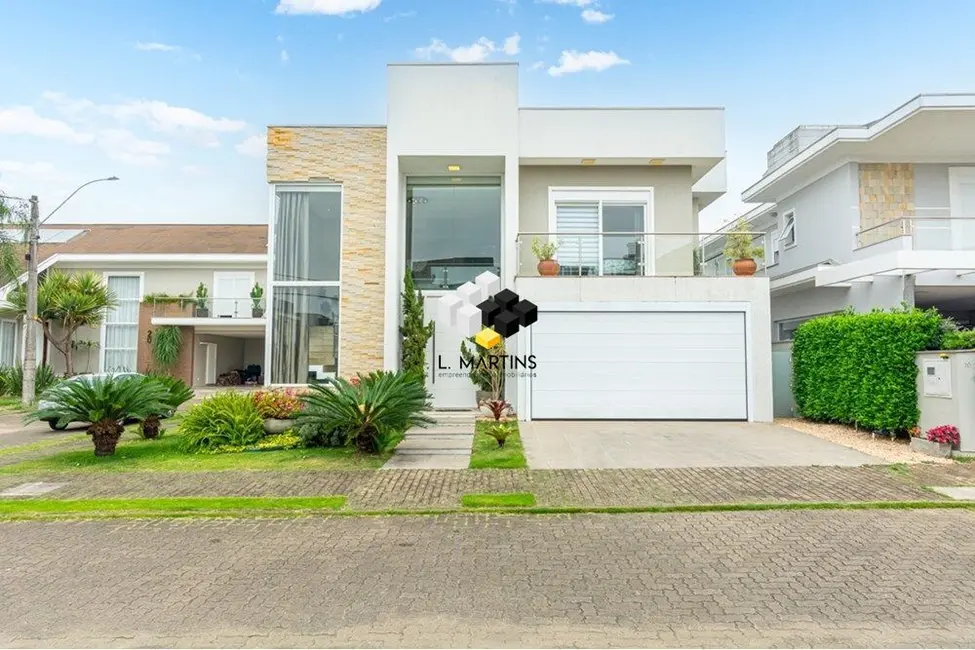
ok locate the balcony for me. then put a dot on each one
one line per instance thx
(230, 316)
(921, 233)
(631, 254)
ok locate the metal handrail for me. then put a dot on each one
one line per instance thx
(911, 219)
(645, 233)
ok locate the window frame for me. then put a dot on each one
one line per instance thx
(788, 224)
(274, 190)
(14, 348)
(104, 327)
(632, 195)
(252, 279)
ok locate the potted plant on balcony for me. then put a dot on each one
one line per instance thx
(740, 249)
(545, 252)
(257, 294)
(201, 310)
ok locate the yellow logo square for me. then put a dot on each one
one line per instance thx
(487, 338)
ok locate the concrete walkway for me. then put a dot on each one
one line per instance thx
(658, 445)
(447, 445)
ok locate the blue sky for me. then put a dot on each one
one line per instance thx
(173, 95)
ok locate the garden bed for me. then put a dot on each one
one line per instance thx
(485, 453)
(890, 449)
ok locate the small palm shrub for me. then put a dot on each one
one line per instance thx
(177, 393)
(373, 415)
(105, 403)
(277, 404)
(227, 419)
(501, 431)
(12, 379)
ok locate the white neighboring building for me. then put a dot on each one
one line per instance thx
(460, 181)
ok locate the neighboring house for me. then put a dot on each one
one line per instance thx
(873, 215)
(140, 262)
(460, 181)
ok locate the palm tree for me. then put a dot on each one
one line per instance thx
(105, 403)
(177, 392)
(374, 414)
(68, 301)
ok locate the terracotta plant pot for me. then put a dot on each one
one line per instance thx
(548, 267)
(744, 267)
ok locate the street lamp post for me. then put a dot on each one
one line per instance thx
(28, 393)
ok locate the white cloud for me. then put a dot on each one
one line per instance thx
(255, 146)
(285, 57)
(596, 17)
(537, 65)
(126, 147)
(570, 3)
(26, 168)
(572, 61)
(402, 14)
(156, 115)
(280, 38)
(512, 44)
(153, 46)
(326, 7)
(476, 52)
(24, 120)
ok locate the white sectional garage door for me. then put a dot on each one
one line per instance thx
(639, 365)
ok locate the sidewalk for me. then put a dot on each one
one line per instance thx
(419, 489)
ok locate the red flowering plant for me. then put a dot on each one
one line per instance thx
(278, 404)
(355, 380)
(946, 434)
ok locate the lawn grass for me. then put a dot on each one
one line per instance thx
(499, 500)
(41, 444)
(168, 506)
(485, 453)
(11, 404)
(163, 455)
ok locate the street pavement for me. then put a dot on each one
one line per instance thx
(790, 578)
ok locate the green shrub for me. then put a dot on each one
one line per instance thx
(958, 340)
(313, 434)
(227, 419)
(374, 414)
(177, 393)
(167, 341)
(12, 379)
(278, 404)
(860, 368)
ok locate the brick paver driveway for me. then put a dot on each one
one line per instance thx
(820, 578)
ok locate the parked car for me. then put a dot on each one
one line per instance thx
(60, 426)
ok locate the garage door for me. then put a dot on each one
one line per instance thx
(639, 365)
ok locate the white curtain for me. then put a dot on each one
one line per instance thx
(292, 245)
(8, 343)
(122, 326)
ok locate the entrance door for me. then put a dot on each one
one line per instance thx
(207, 375)
(961, 181)
(447, 382)
(231, 294)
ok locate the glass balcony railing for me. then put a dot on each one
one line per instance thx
(631, 254)
(926, 233)
(188, 307)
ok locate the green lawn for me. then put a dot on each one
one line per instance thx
(169, 505)
(134, 454)
(10, 404)
(485, 453)
(499, 500)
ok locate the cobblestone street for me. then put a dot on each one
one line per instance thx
(821, 578)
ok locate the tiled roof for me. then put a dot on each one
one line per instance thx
(104, 239)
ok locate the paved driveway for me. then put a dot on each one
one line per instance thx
(617, 444)
(871, 579)
(14, 432)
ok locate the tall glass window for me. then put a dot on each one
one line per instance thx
(122, 325)
(304, 285)
(453, 229)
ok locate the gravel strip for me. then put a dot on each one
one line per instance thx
(893, 451)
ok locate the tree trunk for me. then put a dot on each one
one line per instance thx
(150, 427)
(105, 435)
(63, 346)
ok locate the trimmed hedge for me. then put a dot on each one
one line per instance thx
(860, 368)
(958, 340)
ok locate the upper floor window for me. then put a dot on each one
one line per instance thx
(592, 227)
(453, 229)
(788, 236)
(307, 234)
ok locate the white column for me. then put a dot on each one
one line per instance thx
(509, 224)
(395, 259)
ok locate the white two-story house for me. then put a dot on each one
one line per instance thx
(873, 215)
(462, 179)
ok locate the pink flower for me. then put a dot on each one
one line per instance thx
(946, 434)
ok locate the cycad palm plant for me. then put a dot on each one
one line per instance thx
(372, 415)
(177, 393)
(105, 403)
